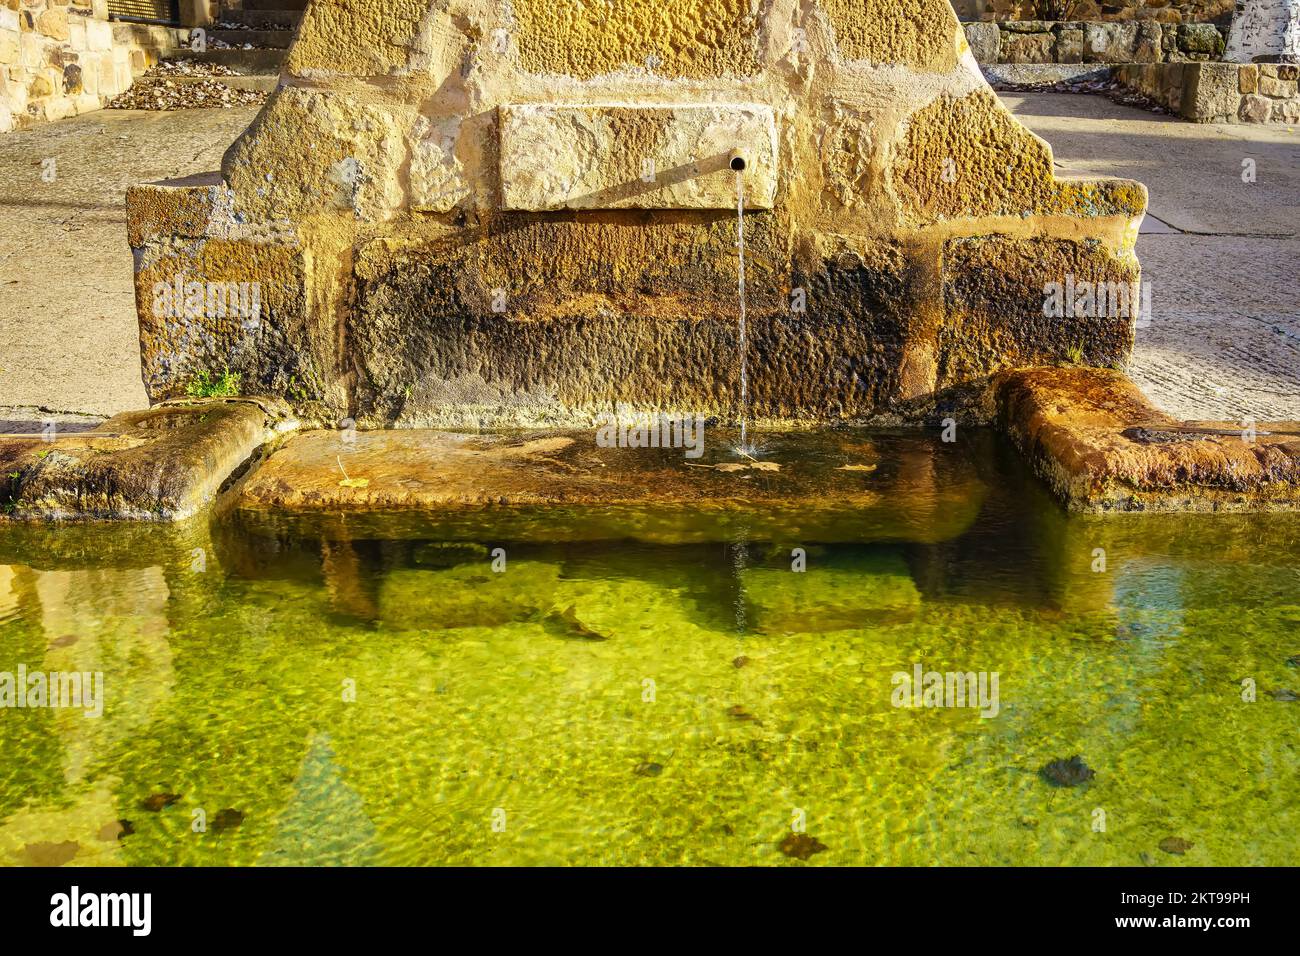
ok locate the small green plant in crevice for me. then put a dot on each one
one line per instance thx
(1075, 354)
(204, 385)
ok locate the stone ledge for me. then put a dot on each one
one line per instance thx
(555, 485)
(162, 464)
(1102, 447)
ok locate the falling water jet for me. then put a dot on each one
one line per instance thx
(737, 163)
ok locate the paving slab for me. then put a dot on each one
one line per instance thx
(69, 341)
(1220, 254)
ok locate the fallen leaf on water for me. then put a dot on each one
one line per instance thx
(856, 468)
(740, 661)
(801, 846)
(649, 770)
(157, 801)
(1067, 773)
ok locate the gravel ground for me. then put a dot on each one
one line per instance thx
(68, 335)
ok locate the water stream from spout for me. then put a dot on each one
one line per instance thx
(744, 358)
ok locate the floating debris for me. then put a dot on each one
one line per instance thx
(731, 467)
(1176, 845)
(567, 624)
(1067, 773)
(739, 712)
(1293, 660)
(116, 830)
(1286, 695)
(801, 846)
(740, 662)
(649, 769)
(865, 468)
(159, 801)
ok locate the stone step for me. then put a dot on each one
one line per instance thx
(245, 62)
(263, 82)
(274, 19)
(261, 39)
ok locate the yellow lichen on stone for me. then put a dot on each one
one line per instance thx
(356, 38)
(688, 38)
(968, 157)
(921, 34)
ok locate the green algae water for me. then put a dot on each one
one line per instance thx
(663, 687)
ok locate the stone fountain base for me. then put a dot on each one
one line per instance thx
(1088, 433)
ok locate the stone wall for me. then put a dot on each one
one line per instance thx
(60, 59)
(1044, 41)
(1220, 92)
(1163, 11)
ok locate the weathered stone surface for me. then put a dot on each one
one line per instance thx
(164, 464)
(1109, 42)
(1027, 48)
(1210, 93)
(1093, 437)
(635, 157)
(985, 41)
(996, 292)
(1256, 109)
(376, 209)
(561, 485)
(1201, 40)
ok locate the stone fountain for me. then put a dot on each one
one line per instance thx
(468, 213)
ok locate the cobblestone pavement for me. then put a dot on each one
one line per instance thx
(68, 335)
(1223, 256)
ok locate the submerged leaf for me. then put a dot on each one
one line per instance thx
(801, 846)
(1067, 773)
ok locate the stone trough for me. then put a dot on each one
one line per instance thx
(482, 216)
